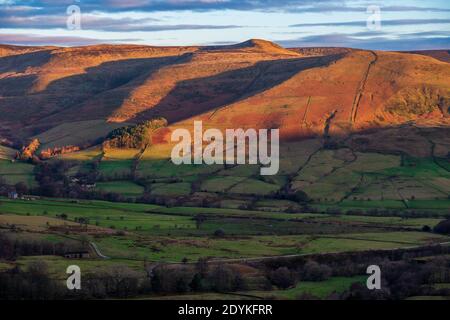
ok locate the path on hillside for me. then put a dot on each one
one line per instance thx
(97, 251)
(244, 92)
(137, 158)
(293, 256)
(361, 88)
(249, 90)
(433, 150)
(308, 104)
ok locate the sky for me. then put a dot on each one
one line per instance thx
(375, 24)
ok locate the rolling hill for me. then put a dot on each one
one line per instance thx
(252, 84)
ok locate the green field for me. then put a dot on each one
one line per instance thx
(319, 290)
(76, 133)
(7, 153)
(153, 169)
(220, 184)
(84, 156)
(175, 249)
(115, 169)
(372, 180)
(158, 233)
(15, 172)
(57, 266)
(170, 189)
(125, 188)
(254, 187)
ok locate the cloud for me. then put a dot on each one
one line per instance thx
(405, 42)
(400, 22)
(126, 16)
(100, 23)
(37, 40)
(170, 5)
(325, 8)
(205, 5)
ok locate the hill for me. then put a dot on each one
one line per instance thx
(442, 55)
(253, 84)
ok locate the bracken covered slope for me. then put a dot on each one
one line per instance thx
(304, 92)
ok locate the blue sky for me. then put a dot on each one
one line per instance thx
(405, 25)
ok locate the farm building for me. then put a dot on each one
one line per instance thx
(13, 195)
(77, 255)
(29, 198)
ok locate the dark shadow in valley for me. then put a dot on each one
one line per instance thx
(17, 86)
(21, 62)
(109, 84)
(15, 82)
(196, 96)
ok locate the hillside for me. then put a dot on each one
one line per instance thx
(364, 156)
(252, 84)
(442, 55)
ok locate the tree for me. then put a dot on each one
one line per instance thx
(199, 220)
(121, 281)
(171, 279)
(63, 216)
(219, 233)
(198, 283)
(136, 137)
(21, 188)
(283, 278)
(301, 196)
(312, 271)
(443, 227)
(28, 151)
(223, 279)
(202, 266)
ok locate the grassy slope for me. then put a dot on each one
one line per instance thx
(125, 188)
(170, 237)
(14, 172)
(317, 289)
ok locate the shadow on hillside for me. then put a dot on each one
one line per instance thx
(13, 86)
(21, 62)
(194, 97)
(109, 84)
(16, 86)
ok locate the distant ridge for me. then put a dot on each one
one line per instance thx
(256, 45)
(88, 91)
(6, 50)
(442, 55)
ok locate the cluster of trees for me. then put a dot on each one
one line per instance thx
(114, 282)
(12, 246)
(400, 279)
(134, 137)
(284, 277)
(415, 101)
(202, 278)
(403, 279)
(412, 213)
(28, 152)
(51, 152)
(296, 196)
(404, 275)
(52, 178)
(34, 282)
(20, 187)
(443, 227)
(54, 182)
